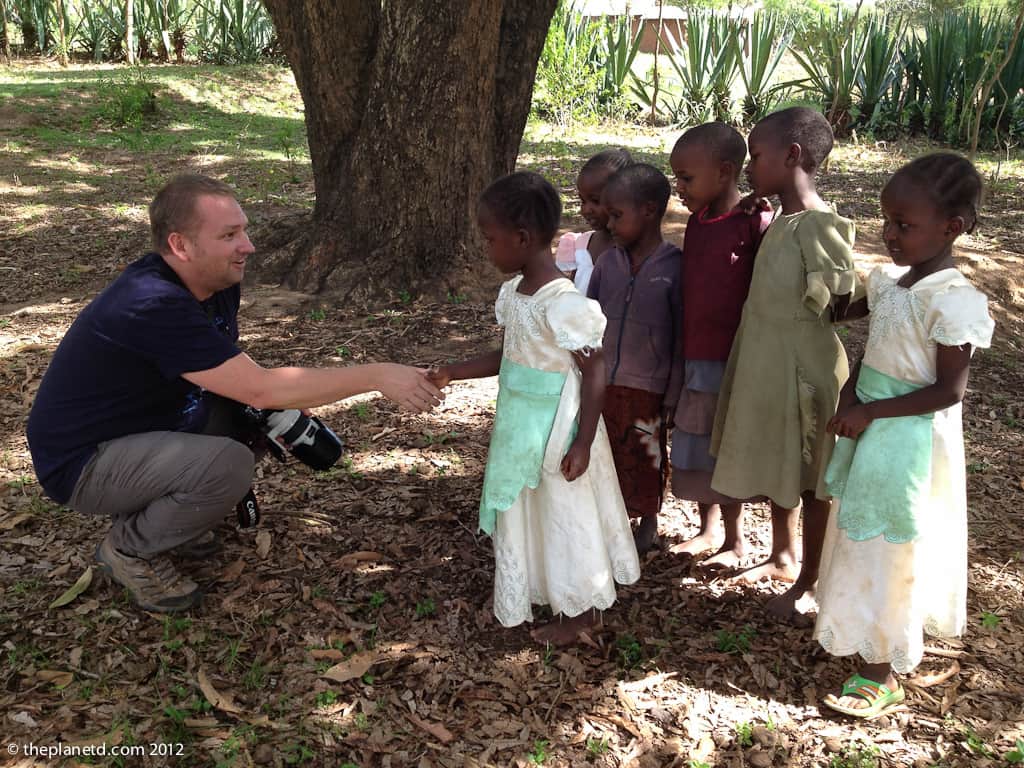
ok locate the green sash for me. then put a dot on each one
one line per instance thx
(527, 403)
(882, 478)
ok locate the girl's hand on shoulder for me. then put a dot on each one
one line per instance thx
(439, 375)
(851, 421)
(752, 204)
(576, 461)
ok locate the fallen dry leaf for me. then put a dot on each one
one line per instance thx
(327, 653)
(436, 730)
(232, 571)
(74, 590)
(354, 558)
(10, 523)
(59, 678)
(352, 668)
(263, 541)
(217, 699)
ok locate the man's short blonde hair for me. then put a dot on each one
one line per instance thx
(174, 207)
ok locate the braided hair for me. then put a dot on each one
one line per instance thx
(611, 159)
(524, 200)
(950, 181)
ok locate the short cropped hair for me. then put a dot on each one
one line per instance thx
(643, 183)
(723, 142)
(806, 127)
(173, 208)
(949, 180)
(525, 200)
(611, 159)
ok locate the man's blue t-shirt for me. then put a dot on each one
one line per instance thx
(118, 369)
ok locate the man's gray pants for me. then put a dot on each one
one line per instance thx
(162, 489)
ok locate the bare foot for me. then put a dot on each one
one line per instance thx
(774, 570)
(646, 534)
(725, 559)
(564, 631)
(792, 605)
(697, 545)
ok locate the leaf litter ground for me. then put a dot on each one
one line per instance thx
(355, 627)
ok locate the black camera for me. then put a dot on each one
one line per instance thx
(307, 438)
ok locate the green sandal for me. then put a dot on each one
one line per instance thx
(881, 700)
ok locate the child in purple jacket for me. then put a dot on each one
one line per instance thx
(638, 284)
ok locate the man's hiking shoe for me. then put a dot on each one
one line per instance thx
(200, 548)
(153, 583)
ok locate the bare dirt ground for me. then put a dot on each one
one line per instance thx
(355, 627)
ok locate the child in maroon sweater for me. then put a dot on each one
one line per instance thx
(718, 263)
(637, 284)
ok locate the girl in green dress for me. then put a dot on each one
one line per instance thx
(786, 367)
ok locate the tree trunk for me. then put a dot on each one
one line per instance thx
(5, 39)
(412, 107)
(62, 38)
(129, 31)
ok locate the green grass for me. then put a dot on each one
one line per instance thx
(734, 642)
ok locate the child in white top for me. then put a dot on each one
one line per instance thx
(551, 497)
(577, 252)
(894, 563)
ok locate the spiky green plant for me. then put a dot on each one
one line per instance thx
(724, 30)
(831, 53)
(620, 48)
(568, 84)
(940, 52)
(759, 51)
(700, 62)
(879, 70)
(234, 31)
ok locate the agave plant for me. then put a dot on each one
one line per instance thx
(164, 23)
(88, 28)
(32, 17)
(700, 63)
(758, 52)
(879, 70)
(568, 83)
(831, 53)
(234, 31)
(940, 55)
(1008, 95)
(621, 46)
(983, 46)
(724, 31)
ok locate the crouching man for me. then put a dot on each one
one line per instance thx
(137, 416)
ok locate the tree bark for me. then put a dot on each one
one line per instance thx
(412, 107)
(5, 40)
(62, 39)
(129, 31)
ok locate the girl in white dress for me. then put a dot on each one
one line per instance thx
(895, 558)
(551, 498)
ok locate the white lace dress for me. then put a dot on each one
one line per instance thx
(561, 544)
(877, 598)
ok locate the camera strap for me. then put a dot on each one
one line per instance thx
(248, 510)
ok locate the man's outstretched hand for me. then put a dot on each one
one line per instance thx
(409, 387)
